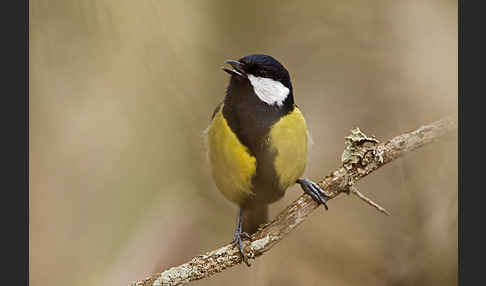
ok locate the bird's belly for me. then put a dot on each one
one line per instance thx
(281, 159)
(232, 165)
(242, 177)
(288, 139)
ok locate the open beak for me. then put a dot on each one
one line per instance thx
(237, 69)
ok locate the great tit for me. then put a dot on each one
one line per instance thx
(257, 142)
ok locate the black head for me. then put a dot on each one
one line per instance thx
(268, 77)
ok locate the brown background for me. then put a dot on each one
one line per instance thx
(121, 92)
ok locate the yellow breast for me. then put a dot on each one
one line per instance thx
(288, 138)
(231, 163)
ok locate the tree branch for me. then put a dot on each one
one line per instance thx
(362, 156)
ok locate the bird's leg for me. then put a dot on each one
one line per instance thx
(238, 238)
(313, 190)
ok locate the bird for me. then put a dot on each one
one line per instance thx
(257, 142)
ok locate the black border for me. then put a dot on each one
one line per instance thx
(15, 147)
(26, 124)
(471, 81)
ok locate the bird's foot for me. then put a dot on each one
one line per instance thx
(313, 190)
(238, 241)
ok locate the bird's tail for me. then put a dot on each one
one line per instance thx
(252, 216)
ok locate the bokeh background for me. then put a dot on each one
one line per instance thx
(121, 92)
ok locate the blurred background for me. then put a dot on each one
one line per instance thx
(121, 92)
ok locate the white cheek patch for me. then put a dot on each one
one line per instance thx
(268, 90)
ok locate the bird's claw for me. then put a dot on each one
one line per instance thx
(238, 241)
(246, 235)
(313, 190)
